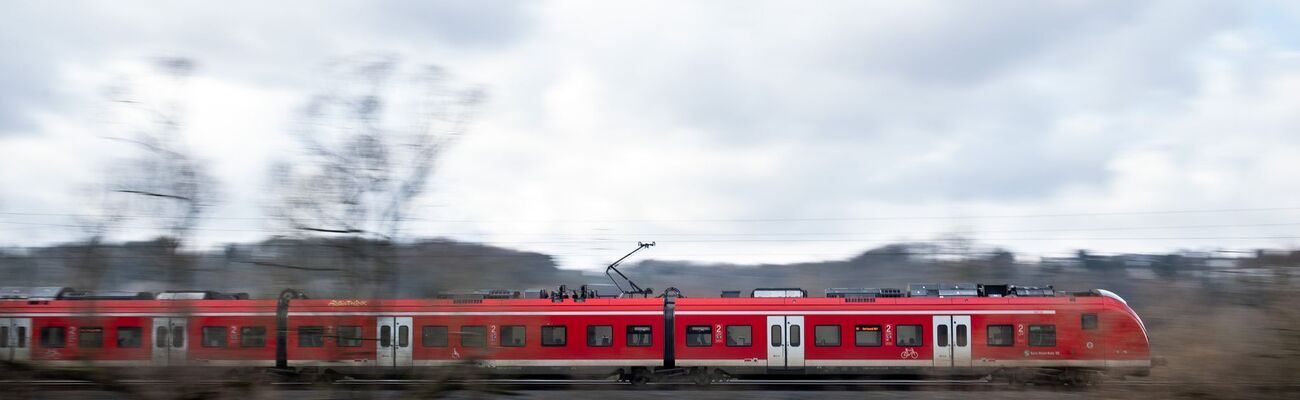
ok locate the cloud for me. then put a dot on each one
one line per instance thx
(613, 122)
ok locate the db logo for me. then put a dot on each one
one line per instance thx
(909, 353)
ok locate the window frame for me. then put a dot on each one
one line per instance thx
(708, 333)
(255, 331)
(961, 335)
(920, 335)
(839, 335)
(386, 335)
(139, 337)
(464, 334)
(591, 334)
(880, 339)
(47, 334)
(1010, 334)
(94, 331)
(204, 336)
(341, 341)
(425, 337)
(564, 335)
(162, 336)
(1040, 327)
(1086, 318)
(523, 331)
(306, 331)
(631, 330)
(749, 333)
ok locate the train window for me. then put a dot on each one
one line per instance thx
(943, 336)
(512, 336)
(795, 335)
(178, 337)
(639, 335)
(54, 336)
(699, 336)
(311, 336)
(21, 333)
(403, 336)
(826, 335)
(386, 336)
(1001, 335)
(434, 336)
(1042, 335)
(866, 335)
(600, 335)
(160, 337)
(252, 336)
(1089, 321)
(349, 336)
(740, 335)
(555, 335)
(776, 335)
(90, 338)
(961, 335)
(473, 336)
(214, 336)
(909, 336)
(4, 336)
(130, 336)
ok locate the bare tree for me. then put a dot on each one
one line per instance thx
(369, 141)
(159, 181)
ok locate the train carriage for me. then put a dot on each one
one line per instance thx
(580, 333)
(879, 336)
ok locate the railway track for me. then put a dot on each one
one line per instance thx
(579, 385)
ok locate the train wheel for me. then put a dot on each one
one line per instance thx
(639, 377)
(701, 376)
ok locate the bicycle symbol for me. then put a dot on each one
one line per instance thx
(909, 353)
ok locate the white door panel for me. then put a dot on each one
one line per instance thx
(941, 340)
(170, 341)
(785, 342)
(961, 327)
(776, 342)
(13, 339)
(395, 340)
(794, 342)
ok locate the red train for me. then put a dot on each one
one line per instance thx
(955, 330)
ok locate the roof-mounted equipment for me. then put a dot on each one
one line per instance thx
(479, 294)
(106, 295)
(863, 293)
(200, 295)
(1033, 291)
(923, 290)
(778, 292)
(33, 293)
(959, 290)
(632, 289)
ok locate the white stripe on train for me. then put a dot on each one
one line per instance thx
(750, 362)
(533, 313)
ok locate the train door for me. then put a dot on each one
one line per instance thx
(951, 340)
(785, 342)
(394, 349)
(13, 339)
(169, 342)
(1092, 345)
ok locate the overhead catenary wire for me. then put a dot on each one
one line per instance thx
(774, 219)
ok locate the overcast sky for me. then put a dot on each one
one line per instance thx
(726, 131)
